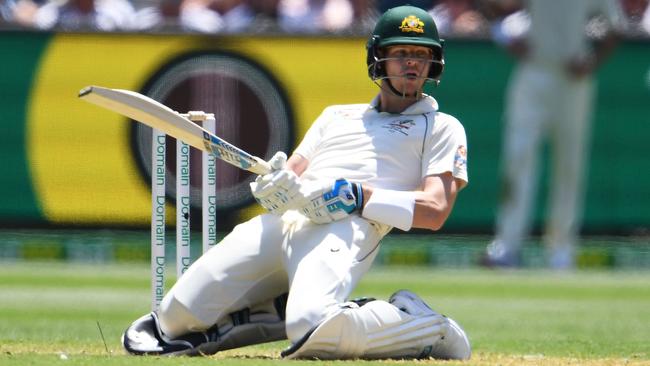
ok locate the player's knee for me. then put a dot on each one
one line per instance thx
(298, 325)
(301, 320)
(176, 319)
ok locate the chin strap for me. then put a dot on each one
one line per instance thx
(394, 90)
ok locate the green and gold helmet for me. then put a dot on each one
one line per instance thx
(404, 25)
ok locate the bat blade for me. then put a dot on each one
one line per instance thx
(156, 115)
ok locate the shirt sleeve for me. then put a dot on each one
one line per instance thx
(445, 149)
(314, 136)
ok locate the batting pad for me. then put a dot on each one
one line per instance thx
(377, 330)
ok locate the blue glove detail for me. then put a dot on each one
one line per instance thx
(332, 202)
(344, 196)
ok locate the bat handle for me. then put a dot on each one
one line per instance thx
(261, 167)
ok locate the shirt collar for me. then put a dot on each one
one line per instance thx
(425, 105)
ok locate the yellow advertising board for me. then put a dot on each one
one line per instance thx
(84, 166)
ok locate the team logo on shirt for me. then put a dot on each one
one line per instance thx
(460, 159)
(400, 126)
(412, 24)
(349, 113)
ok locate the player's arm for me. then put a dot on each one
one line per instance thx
(436, 200)
(617, 26)
(502, 15)
(427, 208)
(431, 205)
(585, 66)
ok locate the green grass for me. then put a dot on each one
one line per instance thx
(512, 317)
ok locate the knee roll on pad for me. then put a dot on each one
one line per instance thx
(454, 345)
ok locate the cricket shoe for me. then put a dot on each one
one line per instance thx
(264, 323)
(561, 258)
(144, 337)
(498, 256)
(453, 345)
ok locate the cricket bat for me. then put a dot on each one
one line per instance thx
(157, 115)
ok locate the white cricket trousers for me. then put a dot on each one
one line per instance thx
(543, 103)
(265, 257)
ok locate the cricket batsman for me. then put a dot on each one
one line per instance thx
(360, 170)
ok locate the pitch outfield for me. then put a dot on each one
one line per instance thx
(49, 314)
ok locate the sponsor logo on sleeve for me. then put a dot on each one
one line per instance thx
(460, 159)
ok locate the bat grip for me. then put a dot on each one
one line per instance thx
(261, 167)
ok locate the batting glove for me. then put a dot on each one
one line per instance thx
(332, 201)
(278, 190)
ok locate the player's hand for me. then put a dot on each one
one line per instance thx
(278, 190)
(329, 201)
(581, 67)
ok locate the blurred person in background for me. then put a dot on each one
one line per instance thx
(188, 15)
(316, 16)
(103, 15)
(20, 12)
(383, 5)
(218, 16)
(454, 17)
(5, 11)
(167, 15)
(638, 15)
(549, 97)
(460, 18)
(246, 16)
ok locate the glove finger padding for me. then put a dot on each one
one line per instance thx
(332, 201)
(278, 161)
(261, 185)
(266, 185)
(276, 191)
(282, 191)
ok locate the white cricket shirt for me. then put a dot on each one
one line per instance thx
(390, 151)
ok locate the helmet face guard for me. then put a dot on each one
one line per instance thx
(404, 25)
